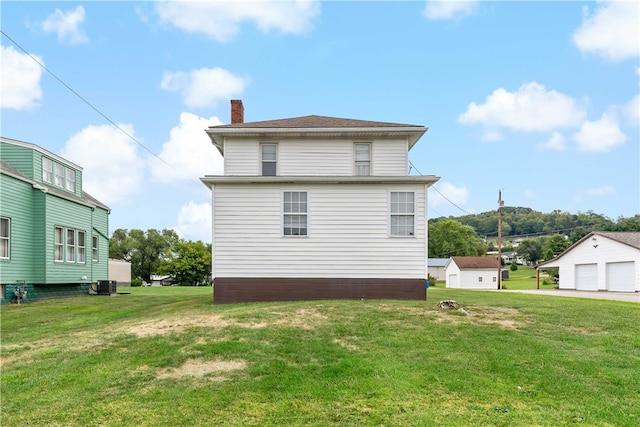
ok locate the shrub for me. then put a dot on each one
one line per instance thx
(136, 282)
(514, 266)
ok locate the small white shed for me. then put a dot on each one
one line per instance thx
(472, 272)
(600, 261)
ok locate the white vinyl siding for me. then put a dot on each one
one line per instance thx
(348, 238)
(5, 238)
(311, 157)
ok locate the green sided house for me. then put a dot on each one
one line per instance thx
(53, 236)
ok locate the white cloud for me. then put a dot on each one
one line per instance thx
(113, 170)
(531, 108)
(556, 143)
(446, 190)
(491, 135)
(449, 9)
(632, 110)
(20, 83)
(194, 222)
(599, 135)
(605, 190)
(612, 31)
(189, 152)
(66, 26)
(222, 20)
(204, 87)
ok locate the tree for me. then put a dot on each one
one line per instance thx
(189, 263)
(531, 250)
(145, 250)
(554, 245)
(449, 237)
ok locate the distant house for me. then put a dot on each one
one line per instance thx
(54, 237)
(600, 261)
(472, 272)
(436, 268)
(120, 271)
(317, 207)
(161, 280)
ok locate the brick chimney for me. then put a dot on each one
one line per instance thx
(237, 111)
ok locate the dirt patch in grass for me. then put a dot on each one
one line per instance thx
(199, 368)
(347, 343)
(506, 318)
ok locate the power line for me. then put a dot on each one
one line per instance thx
(94, 108)
(438, 191)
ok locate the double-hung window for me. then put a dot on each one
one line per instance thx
(402, 211)
(47, 170)
(5, 238)
(268, 159)
(58, 244)
(295, 213)
(58, 174)
(363, 159)
(71, 245)
(94, 248)
(82, 250)
(70, 183)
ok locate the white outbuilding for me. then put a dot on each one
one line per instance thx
(600, 261)
(469, 272)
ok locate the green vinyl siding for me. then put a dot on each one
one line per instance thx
(20, 212)
(21, 158)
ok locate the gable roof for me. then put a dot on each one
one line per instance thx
(472, 262)
(317, 126)
(629, 238)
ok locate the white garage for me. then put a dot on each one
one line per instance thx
(469, 272)
(600, 261)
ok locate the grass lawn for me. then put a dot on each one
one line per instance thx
(525, 278)
(168, 357)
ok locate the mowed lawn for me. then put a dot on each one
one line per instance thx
(169, 357)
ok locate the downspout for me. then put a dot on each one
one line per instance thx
(426, 232)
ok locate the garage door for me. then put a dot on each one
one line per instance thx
(587, 277)
(621, 276)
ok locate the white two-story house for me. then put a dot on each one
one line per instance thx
(317, 207)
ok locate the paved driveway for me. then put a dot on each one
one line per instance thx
(615, 296)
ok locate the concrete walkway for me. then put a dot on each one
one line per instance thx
(614, 296)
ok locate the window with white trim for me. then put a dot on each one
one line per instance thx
(70, 182)
(94, 248)
(5, 238)
(268, 159)
(402, 213)
(71, 245)
(363, 159)
(58, 244)
(82, 249)
(295, 213)
(58, 175)
(47, 170)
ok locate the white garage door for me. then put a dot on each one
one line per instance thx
(453, 281)
(587, 277)
(621, 276)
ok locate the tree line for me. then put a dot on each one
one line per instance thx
(534, 235)
(155, 252)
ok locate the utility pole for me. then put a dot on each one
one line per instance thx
(500, 205)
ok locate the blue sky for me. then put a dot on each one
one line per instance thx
(537, 99)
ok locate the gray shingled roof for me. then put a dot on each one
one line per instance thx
(631, 238)
(313, 121)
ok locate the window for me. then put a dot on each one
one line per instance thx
(71, 180)
(5, 238)
(58, 245)
(81, 246)
(402, 213)
(363, 159)
(295, 213)
(58, 172)
(480, 279)
(71, 245)
(268, 158)
(94, 248)
(47, 170)
(494, 279)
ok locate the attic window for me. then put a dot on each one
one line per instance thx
(47, 170)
